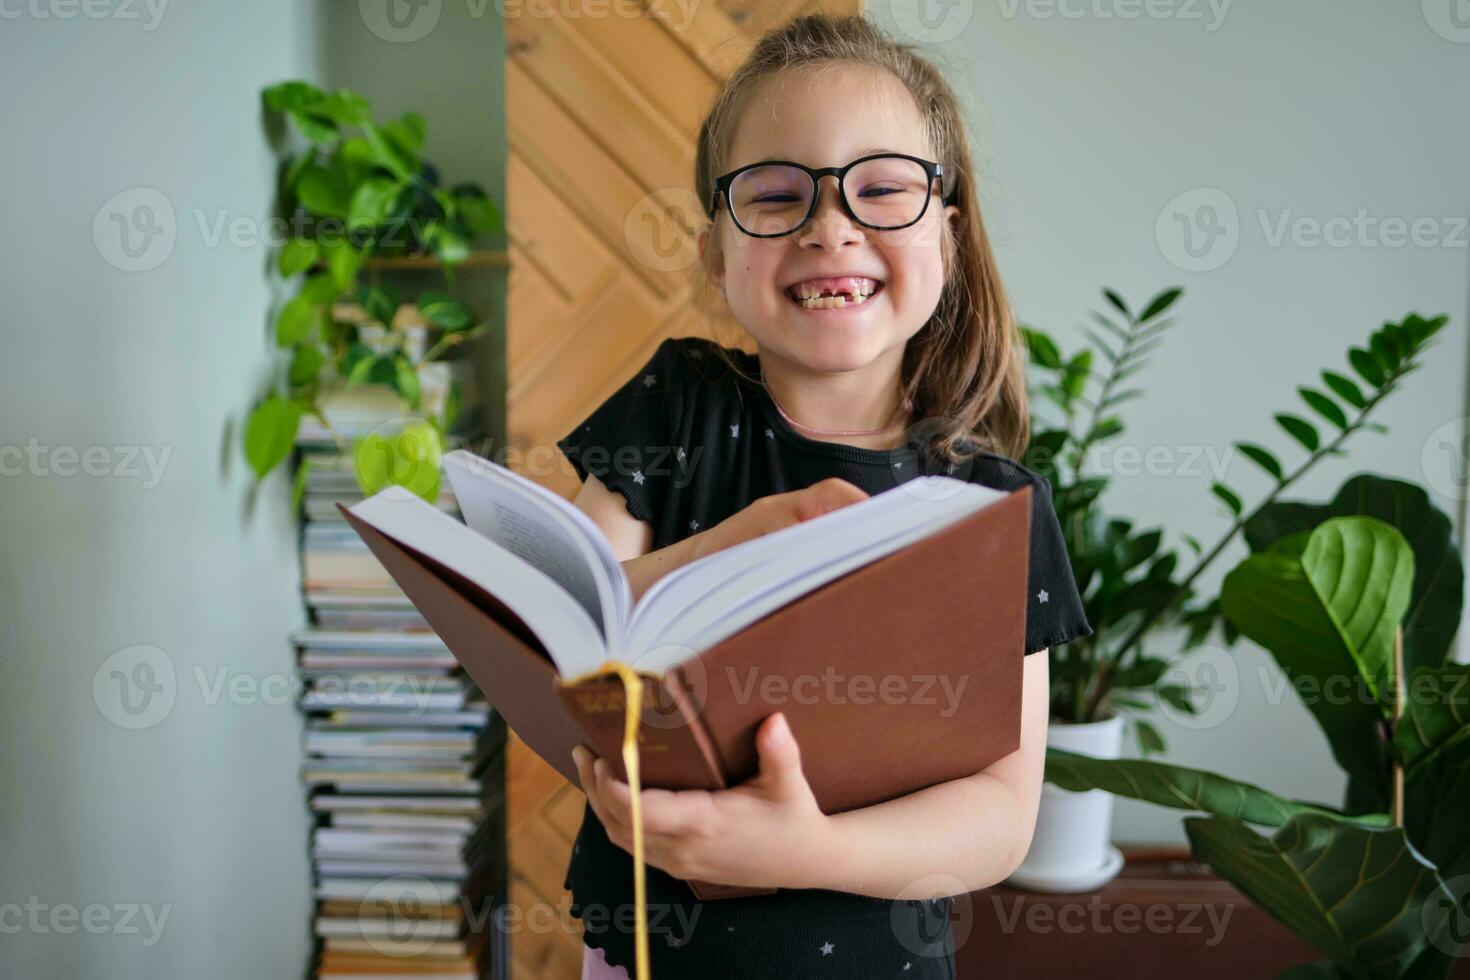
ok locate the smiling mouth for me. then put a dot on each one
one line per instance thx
(853, 291)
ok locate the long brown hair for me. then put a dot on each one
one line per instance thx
(964, 369)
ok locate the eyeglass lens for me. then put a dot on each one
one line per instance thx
(885, 192)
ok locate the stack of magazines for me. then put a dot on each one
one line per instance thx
(403, 763)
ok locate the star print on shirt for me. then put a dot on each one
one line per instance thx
(827, 949)
(770, 434)
(638, 477)
(649, 381)
(679, 454)
(735, 430)
(694, 525)
(1042, 596)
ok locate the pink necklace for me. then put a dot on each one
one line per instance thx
(904, 409)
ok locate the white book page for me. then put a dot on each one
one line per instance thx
(571, 637)
(763, 591)
(547, 532)
(718, 599)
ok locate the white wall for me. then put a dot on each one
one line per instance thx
(198, 815)
(1089, 125)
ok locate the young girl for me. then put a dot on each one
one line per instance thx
(845, 240)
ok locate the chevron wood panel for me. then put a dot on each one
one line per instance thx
(602, 111)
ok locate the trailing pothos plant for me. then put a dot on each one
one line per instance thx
(1133, 586)
(1358, 601)
(360, 189)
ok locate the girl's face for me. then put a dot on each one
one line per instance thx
(828, 120)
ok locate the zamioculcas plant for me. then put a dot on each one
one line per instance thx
(1133, 587)
(1339, 598)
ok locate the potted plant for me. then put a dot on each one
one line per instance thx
(1132, 585)
(1357, 600)
(360, 190)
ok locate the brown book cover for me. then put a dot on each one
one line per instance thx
(898, 675)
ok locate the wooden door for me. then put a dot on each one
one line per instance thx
(602, 109)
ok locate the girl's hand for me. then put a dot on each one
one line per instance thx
(776, 511)
(765, 833)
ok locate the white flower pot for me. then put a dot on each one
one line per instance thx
(1072, 850)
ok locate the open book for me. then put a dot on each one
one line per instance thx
(890, 631)
(547, 561)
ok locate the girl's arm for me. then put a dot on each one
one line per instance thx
(955, 837)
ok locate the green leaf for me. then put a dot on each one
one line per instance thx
(1179, 787)
(298, 485)
(1354, 892)
(318, 129)
(1439, 574)
(344, 107)
(297, 255)
(407, 132)
(388, 156)
(1299, 429)
(410, 459)
(1149, 739)
(295, 321)
(270, 433)
(379, 302)
(320, 288)
(1118, 303)
(343, 261)
(449, 245)
(1100, 344)
(1176, 697)
(479, 213)
(1143, 673)
(407, 382)
(306, 366)
(324, 192)
(1043, 349)
(1345, 389)
(445, 312)
(1324, 406)
(1328, 617)
(1433, 741)
(372, 201)
(1159, 304)
(1262, 458)
(1228, 496)
(292, 96)
(1366, 365)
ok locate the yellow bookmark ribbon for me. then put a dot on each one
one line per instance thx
(632, 715)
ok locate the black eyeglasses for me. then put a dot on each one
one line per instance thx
(885, 191)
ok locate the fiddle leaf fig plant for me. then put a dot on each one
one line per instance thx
(1134, 586)
(1380, 886)
(357, 190)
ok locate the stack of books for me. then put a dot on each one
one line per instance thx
(403, 761)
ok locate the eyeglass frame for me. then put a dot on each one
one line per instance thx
(932, 169)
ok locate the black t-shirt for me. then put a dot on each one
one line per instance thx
(688, 442)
